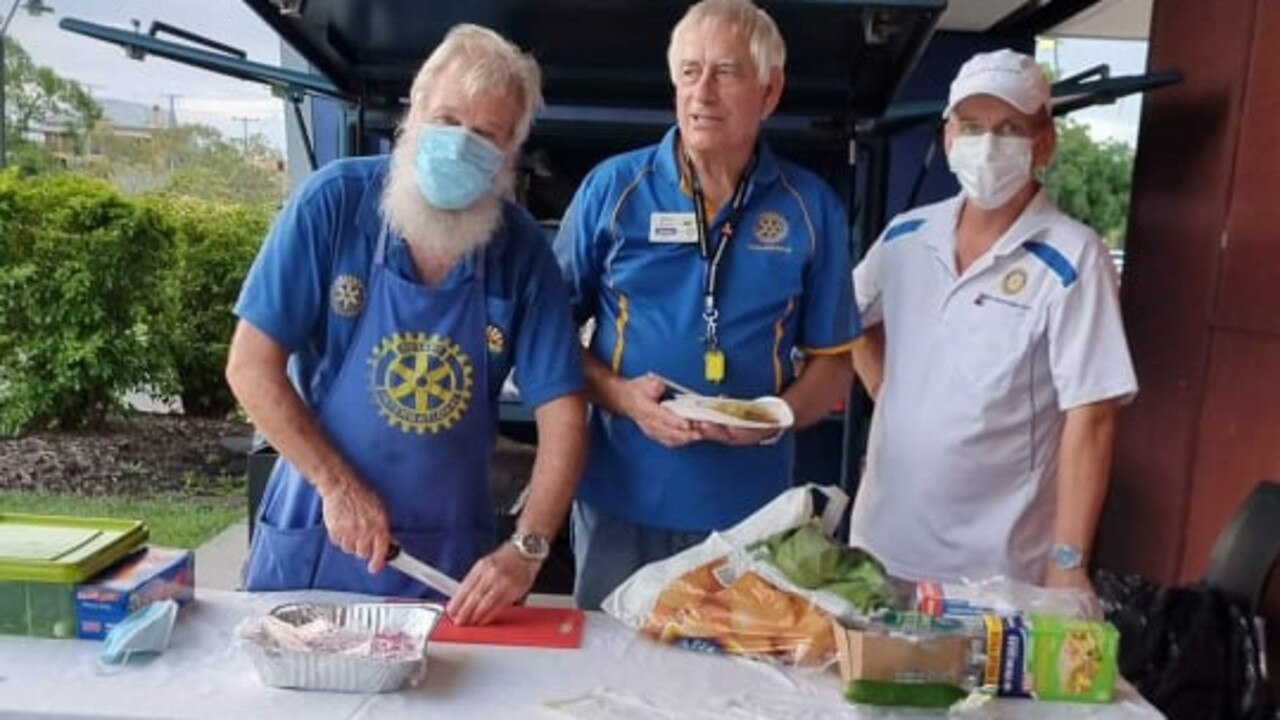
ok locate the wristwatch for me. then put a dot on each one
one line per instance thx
(531, 546)
(1066, 557)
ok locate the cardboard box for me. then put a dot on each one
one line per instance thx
(1051, 658)
(149, 575)
(870, 655)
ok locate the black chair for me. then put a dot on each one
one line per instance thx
(1247, 549)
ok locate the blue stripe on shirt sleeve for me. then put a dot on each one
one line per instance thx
(903, 228)
(1056, 261)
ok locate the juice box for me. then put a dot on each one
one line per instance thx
(1050, 658)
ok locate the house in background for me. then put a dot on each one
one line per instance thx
(120, 119)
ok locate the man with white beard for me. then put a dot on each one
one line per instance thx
(377, 325)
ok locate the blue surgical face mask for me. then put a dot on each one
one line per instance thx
(145, 631)
(455, 167)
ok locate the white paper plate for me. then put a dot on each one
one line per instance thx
(701, 408)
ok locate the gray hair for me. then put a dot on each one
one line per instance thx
(488, 63)
(768, 50)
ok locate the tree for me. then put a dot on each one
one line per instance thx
(1091, 181)
(35, 95)
(192, 161)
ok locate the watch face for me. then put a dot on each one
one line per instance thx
(1066, 557)
(531, 545)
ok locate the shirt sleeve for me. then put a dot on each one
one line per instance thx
(1088, 353)
(284, 292)
(829, 320)
(577, 249)
(867, 286)
(548, 361)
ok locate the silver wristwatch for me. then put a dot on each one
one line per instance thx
(531, 546)
(1066, 557)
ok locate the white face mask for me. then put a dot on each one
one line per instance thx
(991, 169)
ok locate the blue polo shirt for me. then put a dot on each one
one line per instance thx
(307, 287)
(632, 264)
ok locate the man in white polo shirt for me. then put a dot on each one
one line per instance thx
(1004, 359)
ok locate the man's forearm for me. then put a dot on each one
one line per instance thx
(562, 442)
(1084, 468)
(822, 383)
(602, 383)
(868, 359)
(257, 379)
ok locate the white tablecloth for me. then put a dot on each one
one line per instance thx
(616, 674)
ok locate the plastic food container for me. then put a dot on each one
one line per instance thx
(363, 647)
(42, 558)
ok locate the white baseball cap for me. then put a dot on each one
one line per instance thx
(1011, 76)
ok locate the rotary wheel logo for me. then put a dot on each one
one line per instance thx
(421, 383)
(770, 228)
(1014, 281)
(346, 295)
(495, 339)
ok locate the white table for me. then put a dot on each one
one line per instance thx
(202, 675)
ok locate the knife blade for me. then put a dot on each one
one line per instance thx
(422, 572)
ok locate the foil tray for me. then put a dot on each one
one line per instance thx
(291, 663)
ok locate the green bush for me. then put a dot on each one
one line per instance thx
(83, 301)
(216, 243)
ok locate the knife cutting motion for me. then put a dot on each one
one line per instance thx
(422, 572)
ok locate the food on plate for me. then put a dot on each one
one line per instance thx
(740, 409)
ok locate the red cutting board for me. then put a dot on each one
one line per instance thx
(521, 626)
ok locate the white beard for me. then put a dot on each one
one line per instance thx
(448, 233)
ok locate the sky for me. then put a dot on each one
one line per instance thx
(202, 96)
(208, 98)
(1119, 120)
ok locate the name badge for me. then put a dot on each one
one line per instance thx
(673, 227)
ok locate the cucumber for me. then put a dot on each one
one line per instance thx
(896, 694)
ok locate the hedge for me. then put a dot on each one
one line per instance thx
(102, 294)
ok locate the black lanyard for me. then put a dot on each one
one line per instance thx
(712, 256)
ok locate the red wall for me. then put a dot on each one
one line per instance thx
(1201, 290)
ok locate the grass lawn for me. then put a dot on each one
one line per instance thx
(176, 520)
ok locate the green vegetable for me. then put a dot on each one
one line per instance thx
(895, 694)
(814, 561)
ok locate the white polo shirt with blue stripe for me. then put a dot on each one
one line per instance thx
(980, 370)
(627, 246)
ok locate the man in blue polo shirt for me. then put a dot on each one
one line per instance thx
(705, 260)
(377, 325)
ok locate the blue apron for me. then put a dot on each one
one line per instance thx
(409, 410)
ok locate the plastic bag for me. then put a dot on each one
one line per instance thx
(1002, 596)
(713, 596)
(1192, 651)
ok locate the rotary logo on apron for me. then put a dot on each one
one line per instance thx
(421, 383)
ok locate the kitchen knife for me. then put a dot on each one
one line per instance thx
(422, 572)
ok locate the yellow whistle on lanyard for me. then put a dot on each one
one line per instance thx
(714, 365)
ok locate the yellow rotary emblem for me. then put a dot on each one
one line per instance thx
(347, 295)
(495, 339)
(421, 383)
(770, 228)
(1014, 281)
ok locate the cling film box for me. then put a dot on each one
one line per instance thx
(1050, 658)
(149, 575)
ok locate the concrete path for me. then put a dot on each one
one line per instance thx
(219, 560)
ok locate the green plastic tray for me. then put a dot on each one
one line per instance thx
(47, 548)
